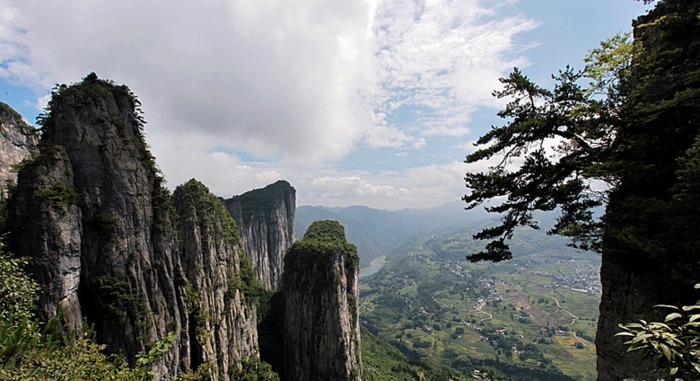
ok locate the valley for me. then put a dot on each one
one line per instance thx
(534, 316)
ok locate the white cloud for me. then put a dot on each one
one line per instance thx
(268, 77)
(443, 130)
(420, 187)
(294, 84)
(381, 136)
(42, 102)
(444, 58)
(468, 146)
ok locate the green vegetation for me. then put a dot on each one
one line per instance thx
(628, 141)
(254, 370)
(7, 112)
(326, 231)
(46, 155)
(627, 129)
(30, 351)
(321, 240)
(102, 223)
(89, 91)
(533, 317)
(673, 344)
(259, 202)
(17, 291)
(119, 298)
(193, 198)
(92, 93)
(59, 195)
(10, 115)
(198, 315)
(383, 362)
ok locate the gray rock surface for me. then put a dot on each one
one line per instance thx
(266, 221)
(108, 243)
(321, 329)
(47, 216)
(17, 141)
(130, 280)
(223, 322)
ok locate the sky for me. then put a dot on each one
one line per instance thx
(354, 102)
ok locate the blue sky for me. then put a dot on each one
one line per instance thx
(359, 102)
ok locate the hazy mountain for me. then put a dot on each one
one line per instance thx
(378, 232)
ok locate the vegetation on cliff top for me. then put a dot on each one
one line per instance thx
(8, 114)
(321, 239)
(259, 202)
(93, 92)
(195, 196)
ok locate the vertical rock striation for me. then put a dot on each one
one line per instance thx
(320, 284)
(17, 140)
(110, 244)
(46, 220)
(219, 283)
(266, 221)
(103, 230)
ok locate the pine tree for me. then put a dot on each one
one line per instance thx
(635, 129)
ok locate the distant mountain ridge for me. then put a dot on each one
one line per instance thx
(378, 232)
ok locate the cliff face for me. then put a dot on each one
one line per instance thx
(17, 140)
(266, 220)
(47, 219)
(104, 236)
(219, 281)
(101, 232)
(321, 329)
(650, 244)
(108, 243)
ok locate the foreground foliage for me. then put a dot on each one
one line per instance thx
(32, 351)
(673, 344)
(618, 133)
(625, 148)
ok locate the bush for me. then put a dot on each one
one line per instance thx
(674, 344)
(30, 352)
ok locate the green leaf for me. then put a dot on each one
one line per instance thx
(672, 316)
(642, 337)
(666, 306)
(666, 351)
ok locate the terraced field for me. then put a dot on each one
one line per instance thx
(533, 317)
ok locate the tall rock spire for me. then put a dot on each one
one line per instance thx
(320, 284)
(91, 213)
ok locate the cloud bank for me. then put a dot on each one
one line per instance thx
(241, 93)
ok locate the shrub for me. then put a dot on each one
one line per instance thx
(674, 344)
